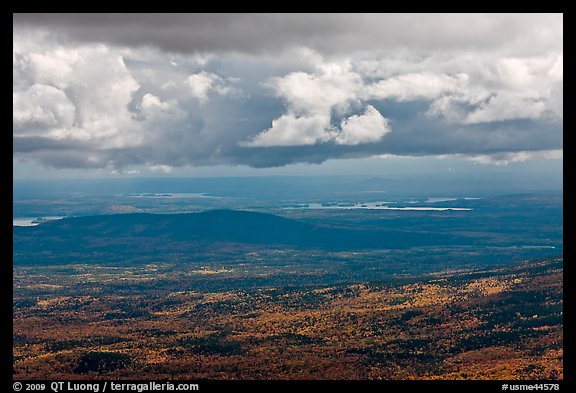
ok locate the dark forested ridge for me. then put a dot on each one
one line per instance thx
(132, 233)
(518, 226)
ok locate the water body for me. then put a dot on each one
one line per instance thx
(169, 195)
(32, 221)
(450, 199)
(435, 200)
(372, 206)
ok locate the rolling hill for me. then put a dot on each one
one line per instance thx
(94, 237)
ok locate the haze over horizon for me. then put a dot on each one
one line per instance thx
(142, 95)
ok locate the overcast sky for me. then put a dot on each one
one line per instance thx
(129, 94)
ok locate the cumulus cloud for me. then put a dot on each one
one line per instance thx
(41, 109)
(289, 130)
(76, 94)
(164, 91)
(312, 99)
(367, 128)
(203, 83)
(507, 106)
(151, 103)
(417, 86)
(332, 86)
(522, 88)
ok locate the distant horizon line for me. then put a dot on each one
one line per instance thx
(372, 176)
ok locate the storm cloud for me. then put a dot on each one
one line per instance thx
(171, 90)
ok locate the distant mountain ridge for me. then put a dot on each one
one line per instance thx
(162, 233)
(230, 225)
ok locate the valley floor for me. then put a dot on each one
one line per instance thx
(83, 321)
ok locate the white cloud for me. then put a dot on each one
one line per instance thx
(150, 103)
(506, 158)
(491, 90)
(556, 71)
(85, 91)
(510, 89)
(332, 86)
(507, 106)
(367, 128)
(40, 109)
(201, 84)
(204, 83)
(160, 168)
(160, 113)
(519, 88)
(106, 105)
(289, 130)
(55, 67)
(531, 74)
(311, 99)
(417, 86)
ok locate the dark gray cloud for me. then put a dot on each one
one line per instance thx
(117, 91)
(330, 33)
